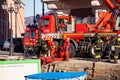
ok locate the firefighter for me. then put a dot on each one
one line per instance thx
(98, 47)
(117, 47)
(66, 46)
(44, 52)
(51, 44)
(39, 46)
(108, 47)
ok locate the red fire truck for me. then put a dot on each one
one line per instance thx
(82, 36)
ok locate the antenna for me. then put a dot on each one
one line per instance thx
(43, 9)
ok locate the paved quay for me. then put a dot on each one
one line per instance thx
(101, 71)
(5, 55)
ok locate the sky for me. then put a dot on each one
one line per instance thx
(29, 7)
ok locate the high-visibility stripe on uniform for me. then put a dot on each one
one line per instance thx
(117, 46)
(96, 57)
(100, 41)
(98, 48)
(118, 39)
(116, 57)
(99, 56)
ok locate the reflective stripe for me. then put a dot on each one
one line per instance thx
(100, 40)
(116, 57)
(49, 36)
(99, 56)
(117, 46)
(53, 46)
(118, 39)
(96, 57)
(98, 48)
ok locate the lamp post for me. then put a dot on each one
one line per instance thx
(34, 21)
(3, 25)
(4, 6)
(17, 7)
(43, 11)
(10, 10)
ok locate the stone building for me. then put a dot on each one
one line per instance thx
(16, 22)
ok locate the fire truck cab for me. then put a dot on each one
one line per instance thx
(50, 25)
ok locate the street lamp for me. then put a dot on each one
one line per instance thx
(10, 10)
(17, 7)
(4, 5)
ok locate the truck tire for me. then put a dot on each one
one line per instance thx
(72, 50)
(92, 51)
(110, 55)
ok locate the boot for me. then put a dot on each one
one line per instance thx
(99, 59)
(96, 59)
(115, 61)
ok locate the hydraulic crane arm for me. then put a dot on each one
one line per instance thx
(103, 22)
(118, 1)
(111, 5)
(105, 17)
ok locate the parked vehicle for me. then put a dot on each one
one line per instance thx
(18, 44)
(1, 44)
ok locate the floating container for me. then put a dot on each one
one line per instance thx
(58, 76)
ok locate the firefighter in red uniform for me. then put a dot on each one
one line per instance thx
(66, 46)
(117, 47)
(51, 44)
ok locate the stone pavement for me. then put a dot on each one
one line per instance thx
(102, 70)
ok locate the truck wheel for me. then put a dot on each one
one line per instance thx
(72, 50)
(92, 50)
(110, 56)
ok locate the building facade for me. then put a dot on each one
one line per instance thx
(11, 22)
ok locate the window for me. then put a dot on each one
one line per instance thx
(45, 22)
(33, 35)
(27, 34)
(85, 20)
(62, 21)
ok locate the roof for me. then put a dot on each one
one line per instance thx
(57, 75)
